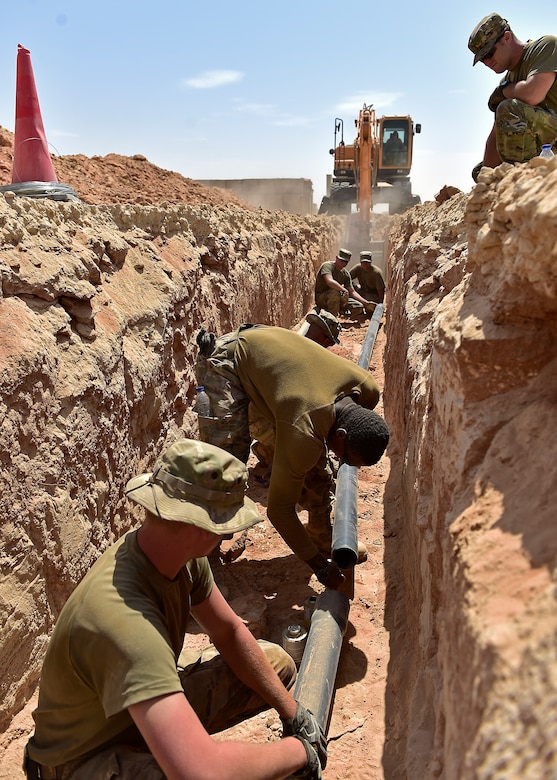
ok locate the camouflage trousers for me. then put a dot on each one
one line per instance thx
(333, 301)
(228, 427)
(218, 697)
(522, 129)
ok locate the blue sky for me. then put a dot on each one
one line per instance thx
(227, 90)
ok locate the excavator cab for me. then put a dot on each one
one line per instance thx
(395, 147)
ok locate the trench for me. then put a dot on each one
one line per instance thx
(319, 664)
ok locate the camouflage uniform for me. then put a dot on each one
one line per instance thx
(521, 129)
(228, 427)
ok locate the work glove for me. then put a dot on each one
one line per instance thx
(476, 171)
(497, 96)
(304, 725)
(330, 575)
(312, 768)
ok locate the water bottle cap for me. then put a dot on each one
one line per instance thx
(200, 389)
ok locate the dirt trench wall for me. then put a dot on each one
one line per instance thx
(99, 310)
(471, 399)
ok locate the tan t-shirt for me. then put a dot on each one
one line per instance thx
(340, 275)
(116, 643)
(294, 383)
(539, 57)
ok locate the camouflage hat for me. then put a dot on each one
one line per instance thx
(485, 35)
(344, 254)
(366, 257)
(197, 483)
(327, 322)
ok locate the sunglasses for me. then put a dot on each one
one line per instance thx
(491, 52)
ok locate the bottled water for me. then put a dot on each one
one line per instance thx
(202, 403)
(546, 152)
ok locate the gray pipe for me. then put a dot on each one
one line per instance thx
(315, 683)
(345, 527)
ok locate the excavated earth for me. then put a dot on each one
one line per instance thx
(449, 665)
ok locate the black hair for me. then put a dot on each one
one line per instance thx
(367, 434)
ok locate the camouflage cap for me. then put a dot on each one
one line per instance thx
(485, 34)
(344, 254)
(200, 484)
(366, 257)
(327, 322)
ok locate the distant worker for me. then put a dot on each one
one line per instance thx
(120, 695)
(333, 286)
(316, 401)
(525, 102)
(369, 278)
(394, 143)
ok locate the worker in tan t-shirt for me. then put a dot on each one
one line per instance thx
(123, 693)
(314, 399)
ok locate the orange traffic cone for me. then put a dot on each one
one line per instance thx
(31, 156)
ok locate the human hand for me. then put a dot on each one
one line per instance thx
(344, 294)
(330, 575)
(304, 724)
(312, 768)
(496, 96)
(370, 307)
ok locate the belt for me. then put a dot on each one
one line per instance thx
(35, 771)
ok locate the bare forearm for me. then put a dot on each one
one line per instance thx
(271, 761)
(532, 90)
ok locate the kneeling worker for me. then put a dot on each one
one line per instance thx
(334, 288)
(119, 696)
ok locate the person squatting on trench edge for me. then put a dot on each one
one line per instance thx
(315, 401)
(121, 695)
(525, 102)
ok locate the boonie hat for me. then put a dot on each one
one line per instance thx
(197, 483)
(365, 257)
(326, 321)
(344, 254)
(485, 34)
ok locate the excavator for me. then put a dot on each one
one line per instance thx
(374, 169)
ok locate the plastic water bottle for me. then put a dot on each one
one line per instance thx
(546, 152)
(202, 403)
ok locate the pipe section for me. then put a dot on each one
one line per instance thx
(344, 548)
(315, 683)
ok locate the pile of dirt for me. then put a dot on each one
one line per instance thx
(115, 178)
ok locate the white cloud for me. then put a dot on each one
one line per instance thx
(210, 79)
